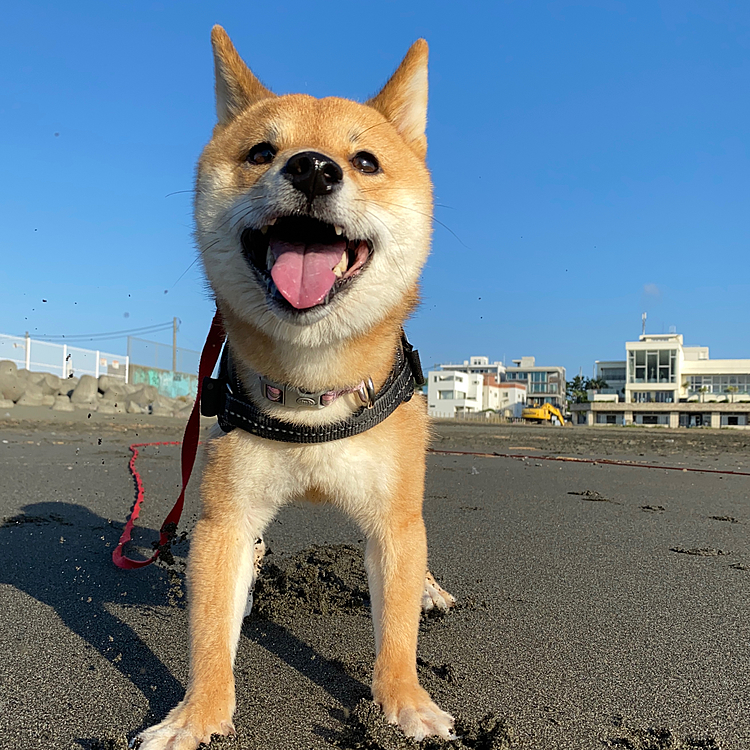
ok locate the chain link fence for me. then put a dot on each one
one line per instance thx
(162, 356)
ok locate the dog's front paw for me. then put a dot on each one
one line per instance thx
(434, 596)
(184, 729)
(416, 714)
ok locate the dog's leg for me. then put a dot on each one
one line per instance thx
(435, 596)
(221, 565)
(220, 572)
(396, 561)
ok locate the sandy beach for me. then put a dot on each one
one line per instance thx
(600, 605)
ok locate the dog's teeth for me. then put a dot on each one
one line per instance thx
(269, 259)
(271, 222)
(264, 229)
(340, 268)
(339, 230)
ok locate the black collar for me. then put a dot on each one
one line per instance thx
(224, 397)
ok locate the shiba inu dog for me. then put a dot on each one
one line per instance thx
(313, 221)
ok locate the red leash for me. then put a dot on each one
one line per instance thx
(209, 357)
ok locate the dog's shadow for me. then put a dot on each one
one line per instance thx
(326, 673)
(331, 675)
(60, 554)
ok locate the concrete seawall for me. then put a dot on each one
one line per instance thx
(168, 383)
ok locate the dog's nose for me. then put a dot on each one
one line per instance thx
(313, 174)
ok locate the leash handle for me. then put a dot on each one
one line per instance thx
(209, 357)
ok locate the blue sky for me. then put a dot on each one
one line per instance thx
(590, 162)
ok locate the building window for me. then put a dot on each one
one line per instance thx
(446, 395)
(727, 384)
(691, 419)
(659, 366)
(652, 419)
(611, 373)
(538, 377)
(653, 397)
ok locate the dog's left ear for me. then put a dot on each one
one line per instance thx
(403, 100)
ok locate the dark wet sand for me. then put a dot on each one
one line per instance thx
(598, 607)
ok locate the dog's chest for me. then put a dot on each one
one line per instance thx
(349, 472)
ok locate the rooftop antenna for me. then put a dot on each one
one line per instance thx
(643, 324)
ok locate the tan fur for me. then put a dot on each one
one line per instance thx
(377, 477)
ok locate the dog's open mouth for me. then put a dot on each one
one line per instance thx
(304, 262)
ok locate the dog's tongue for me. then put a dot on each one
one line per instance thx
(304, 273)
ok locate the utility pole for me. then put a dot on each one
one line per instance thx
(174, 344)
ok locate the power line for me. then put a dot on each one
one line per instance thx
(108, 335)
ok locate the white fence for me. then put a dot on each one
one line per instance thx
(61, 359)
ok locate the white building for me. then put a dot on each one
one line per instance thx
(474, 386)
(480, 365)
(452, 391)
(544, 384)
(507, 399)
(614, 374)
(668, 383)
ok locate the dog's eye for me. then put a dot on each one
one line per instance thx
(262, 153)
(365, 162)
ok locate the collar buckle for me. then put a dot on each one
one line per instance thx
(288, 395)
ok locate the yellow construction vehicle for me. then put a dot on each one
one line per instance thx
(546, 413)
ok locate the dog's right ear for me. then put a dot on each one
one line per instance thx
(403, 100)
(236, 87)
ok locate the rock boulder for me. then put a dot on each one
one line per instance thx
(11, 386)
(62, 403)
(50, 384)
(32, 396)
(86, 390)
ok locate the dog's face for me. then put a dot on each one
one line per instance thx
(313, 216)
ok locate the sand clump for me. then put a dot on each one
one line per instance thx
(320, 580)
(592, 496)
(657, 738)
(700, 551)
(367, 729)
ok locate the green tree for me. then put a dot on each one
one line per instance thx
(576, 390)
(596, 384)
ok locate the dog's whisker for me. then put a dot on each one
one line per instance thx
(372, 127)
(421, 213)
